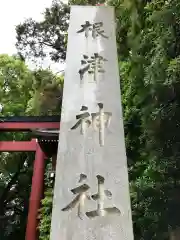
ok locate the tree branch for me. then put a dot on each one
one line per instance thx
(11, 182)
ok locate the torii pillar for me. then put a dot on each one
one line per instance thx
(36, 194)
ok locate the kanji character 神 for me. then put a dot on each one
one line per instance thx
(84, 120)
(99, 121)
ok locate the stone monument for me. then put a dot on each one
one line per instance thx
(91, 195)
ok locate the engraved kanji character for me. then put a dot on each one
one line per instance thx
(100, 120)
(84, 120)
(79, 200)
(85, 28)
(95, 28)
(92, 65)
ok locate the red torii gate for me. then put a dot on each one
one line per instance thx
(23, 124)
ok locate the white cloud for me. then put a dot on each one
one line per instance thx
(13, 12)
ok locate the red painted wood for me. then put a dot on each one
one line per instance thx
(36, 195)
(39, 166)
(18, 146)
(28, 125)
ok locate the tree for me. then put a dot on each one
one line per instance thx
(18, 89)
(148, 50)
(15, 85)
(45, 38)
(150, 80)
(15, 169)
(46, 93)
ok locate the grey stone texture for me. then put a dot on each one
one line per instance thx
(82, 154)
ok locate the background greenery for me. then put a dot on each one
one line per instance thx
(22, 92)
(148, 41)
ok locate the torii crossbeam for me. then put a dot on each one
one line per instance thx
(23, 124)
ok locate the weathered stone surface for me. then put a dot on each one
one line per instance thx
(82, 154)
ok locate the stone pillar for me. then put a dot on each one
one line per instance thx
(91, 196)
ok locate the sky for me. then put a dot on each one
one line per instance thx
(13, 12)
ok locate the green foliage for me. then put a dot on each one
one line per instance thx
(46, 94)
(15, 85)
(45, 38)
(150, 84)
(16, 168)
(46, 209)
(148, 39)
(16, 173)
(86, 2)
(19, 87)
(45, 216)
(48, 37)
